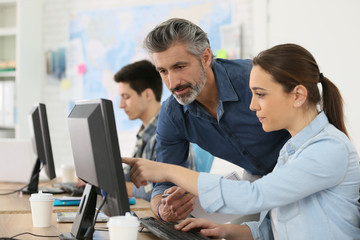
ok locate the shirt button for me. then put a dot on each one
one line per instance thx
(230, 135)
(244, 152)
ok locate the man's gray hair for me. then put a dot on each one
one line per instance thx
(177, 30)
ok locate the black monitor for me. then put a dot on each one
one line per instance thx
(40, 137)
(97, 161)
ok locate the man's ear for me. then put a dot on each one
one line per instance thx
(206, 57)
(300, 93)
(149, 94)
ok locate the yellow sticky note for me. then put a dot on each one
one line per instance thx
(221, 53)
(65, 84)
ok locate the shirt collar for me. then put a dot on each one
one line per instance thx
(147, 132)
(225, 88)
(310, 131)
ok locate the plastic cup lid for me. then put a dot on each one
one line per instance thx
(67, 166)
(40, 196)
(125, 221)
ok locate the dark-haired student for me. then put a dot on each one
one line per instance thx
(313, 190)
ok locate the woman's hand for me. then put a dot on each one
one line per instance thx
(144, 170)
(210, 229)
(207, 228)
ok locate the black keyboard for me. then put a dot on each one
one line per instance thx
(166, 230)
(70, 187)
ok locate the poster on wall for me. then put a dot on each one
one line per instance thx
(112, 38)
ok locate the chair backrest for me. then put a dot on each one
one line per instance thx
(203, 159)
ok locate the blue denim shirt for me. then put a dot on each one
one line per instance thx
(236, 135)
(314, 188)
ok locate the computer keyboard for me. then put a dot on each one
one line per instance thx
(166, 230)
(70, 187)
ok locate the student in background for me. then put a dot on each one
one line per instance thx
(209, 106)
(140, 89)
(313, 191)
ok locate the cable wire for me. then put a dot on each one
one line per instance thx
(22, 188)
(90, 231)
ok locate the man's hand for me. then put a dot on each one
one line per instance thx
(176, 206)
(80, 183)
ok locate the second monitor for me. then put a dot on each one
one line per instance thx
(97, 161)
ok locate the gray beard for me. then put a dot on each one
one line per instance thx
(189, 97)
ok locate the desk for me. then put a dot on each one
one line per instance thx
(19, 203)
(12, 224)
(15, 216)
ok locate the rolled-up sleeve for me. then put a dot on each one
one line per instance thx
(210, 194)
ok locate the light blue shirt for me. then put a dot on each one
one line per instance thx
(314, 188)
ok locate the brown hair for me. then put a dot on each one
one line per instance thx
(141, 75)
(292, 65)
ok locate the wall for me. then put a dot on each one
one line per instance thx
(330, 30)
(57, 14)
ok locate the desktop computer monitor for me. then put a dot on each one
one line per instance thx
(97, 159)
(40, 137)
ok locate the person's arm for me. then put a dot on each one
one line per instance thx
(318, 169)
(320, 165)
(211, 229)
(180, 203)
(144, 170)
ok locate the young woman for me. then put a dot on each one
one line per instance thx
(313, 190)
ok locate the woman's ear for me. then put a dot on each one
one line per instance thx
(300, 92)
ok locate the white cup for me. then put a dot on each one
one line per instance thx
(68, 173)
(41, 209)
(123, 227)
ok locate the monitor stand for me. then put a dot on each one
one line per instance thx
(33, 186)
(84, 216)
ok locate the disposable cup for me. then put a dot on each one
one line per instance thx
(123, 227)
(68, 173)
(41, 209)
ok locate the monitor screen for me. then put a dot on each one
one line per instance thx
(40, 137)
(97, 159)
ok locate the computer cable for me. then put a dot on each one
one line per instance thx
(90, 231)
(22, 188)
(29, 233)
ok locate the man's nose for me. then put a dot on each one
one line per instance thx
(122, 103)
(173, 80)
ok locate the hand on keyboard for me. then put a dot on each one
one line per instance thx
(71, 188)
(166, 230)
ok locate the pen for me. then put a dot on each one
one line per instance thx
(168, 194)
(165, 195)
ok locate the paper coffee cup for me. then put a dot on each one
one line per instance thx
(41, 209)
(68, 173)
(123, 227)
